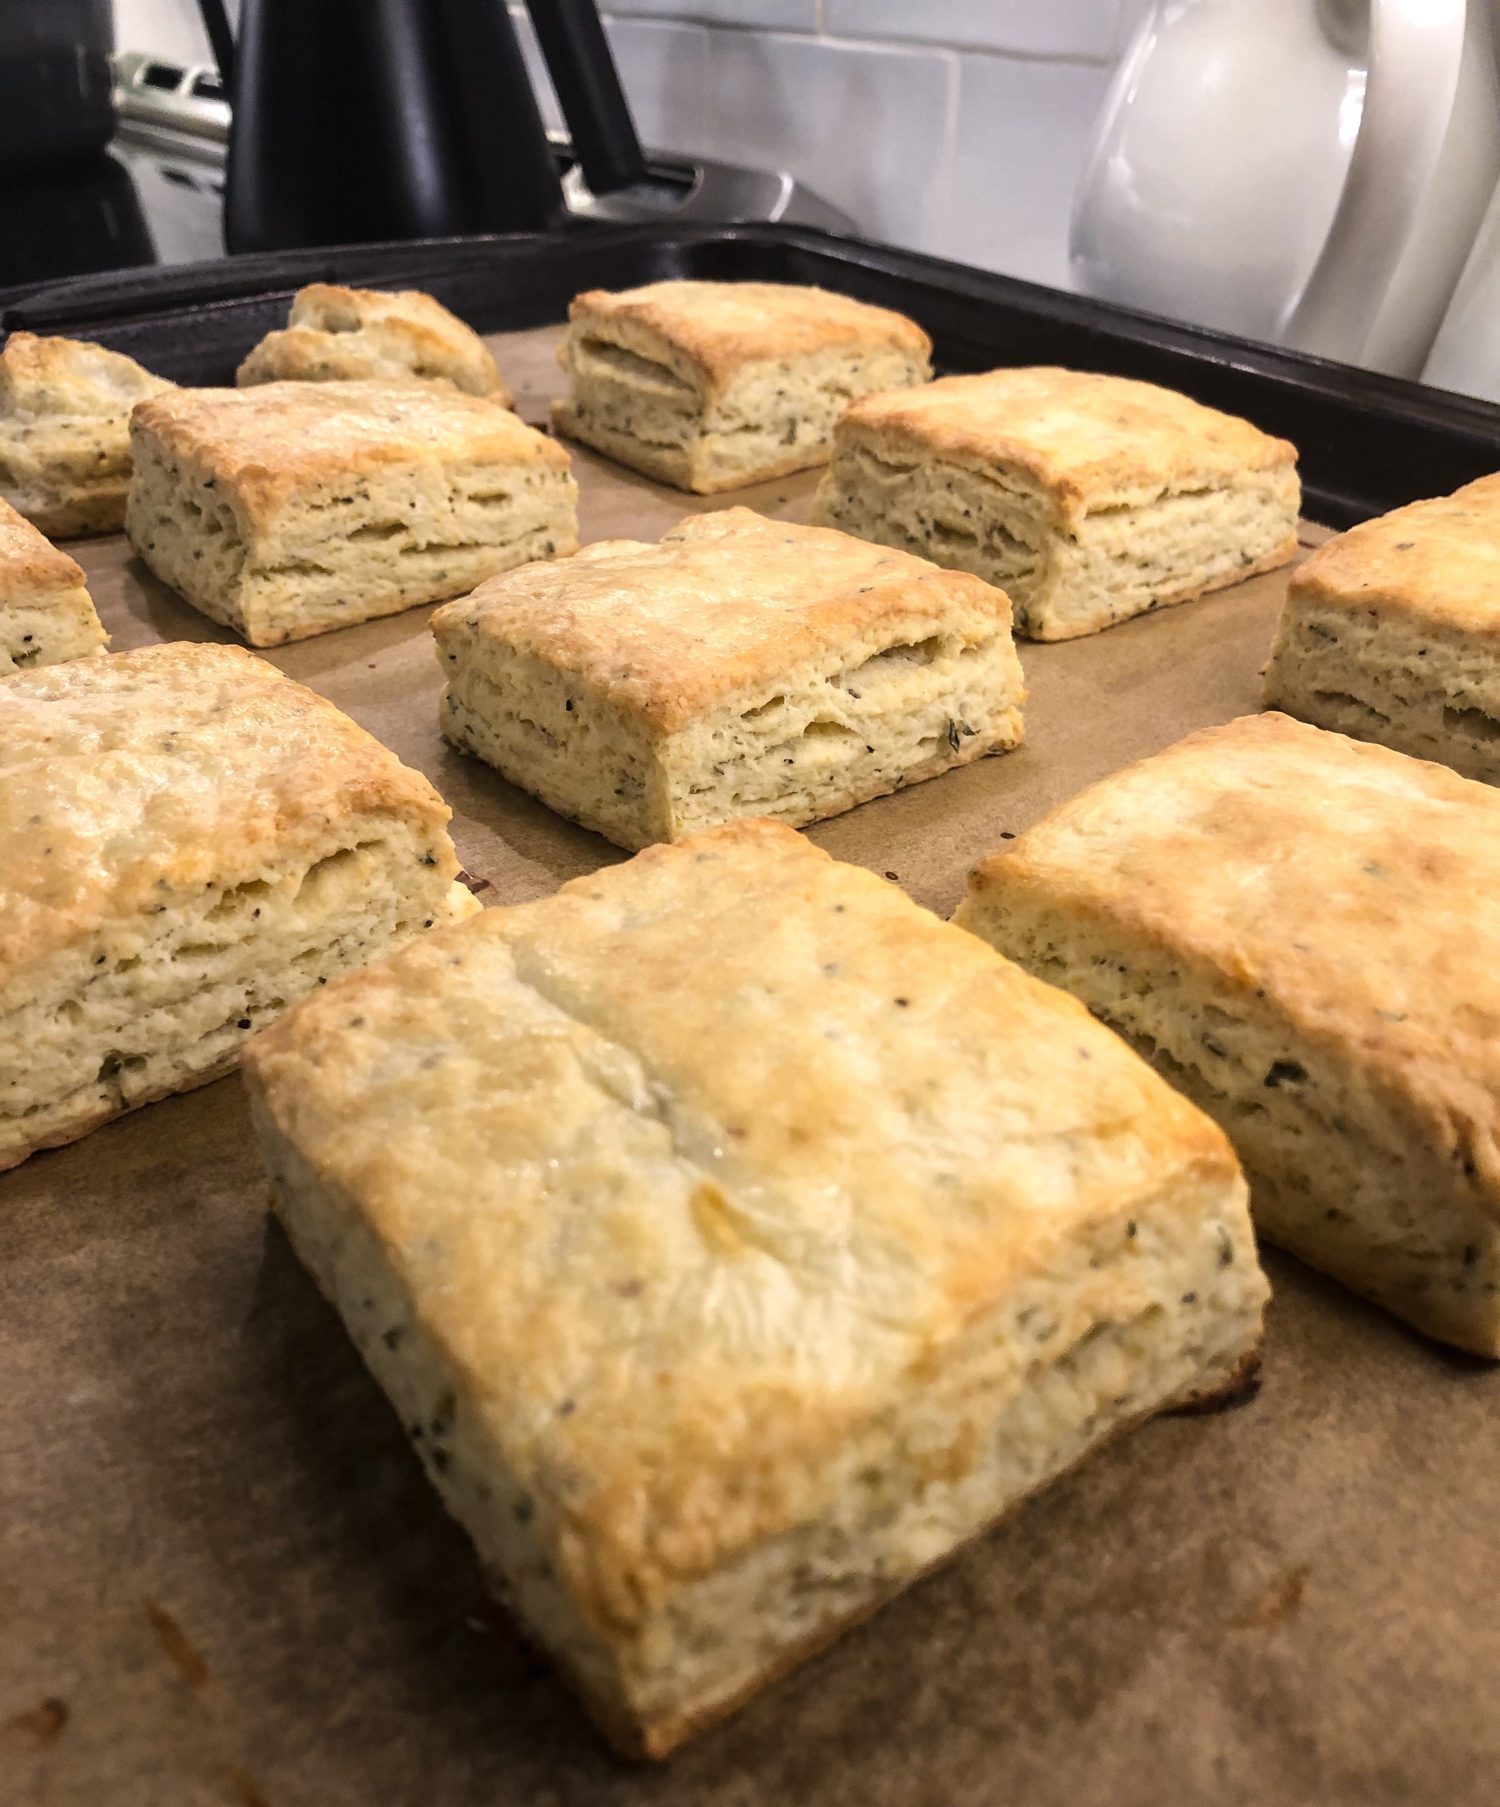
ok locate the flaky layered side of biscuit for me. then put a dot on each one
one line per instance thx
(190, 842)
(288, 509)
(1300, 932)
(1391, 632)
(709, 386)
(1089, 499)
(740, 667)
(65, 432)
(723, 1361)
(46, 612)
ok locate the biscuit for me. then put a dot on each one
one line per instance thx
(1300, 931)
(1089, 499)
(712, 385)
(1391, 632)
(65, 432)
(335, 334)
(46, 612)
(737, 1239)
(742, 667)
(292, 508)
(188, 842)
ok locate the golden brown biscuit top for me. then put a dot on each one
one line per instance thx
(1357, 887)
(29, 562)
(378, 333)
(330, 308)
(725, 602)
(718, 326)
(1437, 561)
(1091, 441)
(42, 378)
(685, 1225)
(263, 444)
(132, 781)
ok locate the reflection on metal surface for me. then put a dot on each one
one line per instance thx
(176, 97)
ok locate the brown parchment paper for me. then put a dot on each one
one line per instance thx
(223, 1578)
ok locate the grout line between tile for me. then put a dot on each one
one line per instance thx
(820, 34)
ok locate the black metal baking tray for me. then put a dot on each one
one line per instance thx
(1368, 442)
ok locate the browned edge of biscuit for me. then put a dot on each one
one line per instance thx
(1235, 1390)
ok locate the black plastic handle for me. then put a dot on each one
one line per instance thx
(582, 67)
(509, 173)
(220, 38)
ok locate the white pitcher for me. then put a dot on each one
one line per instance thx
(1466, 352)
(1310, 172)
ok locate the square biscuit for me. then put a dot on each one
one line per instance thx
(712, 385)
(189, 841)
(337, 335)
(65, 432)
(46, 612)
(288, 509)
(1301, 932)
(1088, 498)
(1391, 632)
(737, 1239)
(740, 667)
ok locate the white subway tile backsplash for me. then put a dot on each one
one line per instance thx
(1057, 28)
(974, 155)
(1021, 135)
(664, 69)
(757, 15)
(866, 128)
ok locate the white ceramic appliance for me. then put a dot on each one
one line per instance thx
(1466, 353)
(1310, 172)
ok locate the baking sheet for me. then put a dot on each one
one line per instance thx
(224, 1579)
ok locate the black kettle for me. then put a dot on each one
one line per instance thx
(56, 100)
(362, 120)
